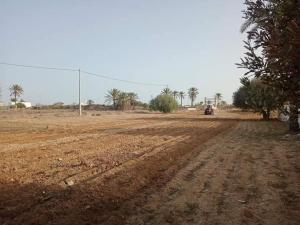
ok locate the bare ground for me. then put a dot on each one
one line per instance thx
(144, 168)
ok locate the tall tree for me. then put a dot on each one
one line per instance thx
(90, 102)
(132, 98)
(175, 94)
(193, 92)
(123, 101)
(112, 96)
(273, 48)
(181, 95)
(166, 91)
(218, 97)
(15, 92)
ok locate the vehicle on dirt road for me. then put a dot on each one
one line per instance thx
(209, 110)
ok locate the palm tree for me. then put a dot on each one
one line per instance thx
(15, 91)
(132, 98)
(218, 98)
(113, 96)
(175, 94)
(193, 92)
(123, 100)
(90, 102)
(166, 91)
(181, 95)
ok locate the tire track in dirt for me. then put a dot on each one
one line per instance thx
(159, 165)
(81, 165)
(70, 136)
(226, 184)
(190, 172)
(191, 183)
(57, 151)
(180, 137)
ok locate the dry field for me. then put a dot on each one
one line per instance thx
(147, 168)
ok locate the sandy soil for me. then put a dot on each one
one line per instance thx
(147, 168)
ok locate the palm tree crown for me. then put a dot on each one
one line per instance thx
(132, 98)
(193, 92)
(16, 91)
(113, 96)
(218, 97)
(166, 91)
(175, 94)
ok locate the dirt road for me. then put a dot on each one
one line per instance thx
(147, 169)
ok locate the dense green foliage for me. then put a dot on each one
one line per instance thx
(121, 100)
(163, 103)
(240, 98)
(257, 96)
(273, 49)
(20, 105)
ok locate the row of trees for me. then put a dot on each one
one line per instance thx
(166, 101)
(192, 94)
(273, 50)
(121, 100)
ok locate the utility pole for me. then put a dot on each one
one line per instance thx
(215, 101)
(79, 92)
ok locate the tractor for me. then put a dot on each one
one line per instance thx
(209, 110)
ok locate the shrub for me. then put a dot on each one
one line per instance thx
(57, 105)
(142, 105)
(163, 103)
(20, 105)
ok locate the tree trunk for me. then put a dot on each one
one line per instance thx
(181, 102)
(16, 100)
(293, 119)
(266, 114)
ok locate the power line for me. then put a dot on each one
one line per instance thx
(37, 67)
(126, 81)
(76, 70)
(79, 72)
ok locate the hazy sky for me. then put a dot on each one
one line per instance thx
(181, 43)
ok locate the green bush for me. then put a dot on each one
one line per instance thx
(163, 103)
(20, 105)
